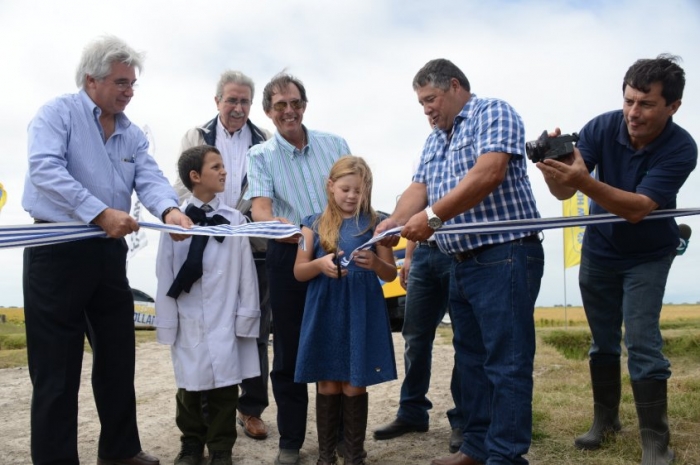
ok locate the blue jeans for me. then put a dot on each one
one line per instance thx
(426, 302)
(492, 297)
(634, 297)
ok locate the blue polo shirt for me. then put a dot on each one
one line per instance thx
(657, 171)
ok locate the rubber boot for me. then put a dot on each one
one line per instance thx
(651, 402)
(355, 423)
(327, 422)
(605, 380)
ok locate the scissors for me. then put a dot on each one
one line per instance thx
(337, 260)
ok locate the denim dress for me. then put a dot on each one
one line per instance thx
(345, 332)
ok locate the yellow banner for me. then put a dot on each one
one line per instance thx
(573, 237)
(3, 196)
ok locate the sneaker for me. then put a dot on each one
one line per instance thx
(220, 458)
(191, 453)
(287, 457)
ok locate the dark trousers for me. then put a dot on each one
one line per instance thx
(287, 297)
(218, 430)
(69, 289)
(254, 399)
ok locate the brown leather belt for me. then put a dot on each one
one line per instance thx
(469, 254)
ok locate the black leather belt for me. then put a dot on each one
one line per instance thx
(469, 254)
(427, 244)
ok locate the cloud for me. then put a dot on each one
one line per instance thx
(557, 63)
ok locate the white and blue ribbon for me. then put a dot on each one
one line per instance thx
(53, 233)
(32, 235)
(532, 224)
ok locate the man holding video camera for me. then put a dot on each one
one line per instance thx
(641, 158)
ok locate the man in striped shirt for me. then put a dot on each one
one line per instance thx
(473, 169)
(287, 181)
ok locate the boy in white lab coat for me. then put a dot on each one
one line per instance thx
(207, 310)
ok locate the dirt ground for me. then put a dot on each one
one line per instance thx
(155, 390)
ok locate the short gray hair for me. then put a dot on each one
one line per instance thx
(99, 55)
(234, 77)
(438, 73)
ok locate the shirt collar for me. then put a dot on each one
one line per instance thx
(289, 149)
(623, 136)
(122, 122)
(465, 113)
(245, 130)
(214, 204)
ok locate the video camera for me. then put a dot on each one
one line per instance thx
(551, 147)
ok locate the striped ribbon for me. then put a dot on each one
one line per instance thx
(32, 235)
(536, 224)
(54, 233)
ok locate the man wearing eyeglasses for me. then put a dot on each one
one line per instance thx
(233, 134)
(85, 160)
(287, 176)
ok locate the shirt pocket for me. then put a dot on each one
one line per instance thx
(126, 168)
(248, 322)
(189, 333)
(461, 155)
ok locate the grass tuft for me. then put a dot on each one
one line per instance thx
(573, 345)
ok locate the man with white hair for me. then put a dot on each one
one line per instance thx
(85, 160)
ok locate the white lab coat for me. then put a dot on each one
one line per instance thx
(212, 329)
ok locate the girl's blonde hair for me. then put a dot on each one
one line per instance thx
(329, 222)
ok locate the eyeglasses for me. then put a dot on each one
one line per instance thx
(295, 104)
(123, 85)
(244, 102)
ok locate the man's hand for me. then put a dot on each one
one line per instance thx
(568, 172)
(116, 223)
(403, 273)
(417, 228)
(386, 225)
(287, 240)
(177, 218)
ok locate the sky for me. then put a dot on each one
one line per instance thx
(559, 63)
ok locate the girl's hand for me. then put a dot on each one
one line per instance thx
(366, 259)
(329, 265)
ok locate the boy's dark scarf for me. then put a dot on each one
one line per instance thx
(192, 269)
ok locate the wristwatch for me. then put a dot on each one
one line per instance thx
(166, 211)
(434, 221)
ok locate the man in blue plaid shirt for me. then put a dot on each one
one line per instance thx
(473, 169)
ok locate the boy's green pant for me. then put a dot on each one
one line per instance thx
(218, 428)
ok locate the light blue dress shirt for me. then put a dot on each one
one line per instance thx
(294, 179)
(74, 174)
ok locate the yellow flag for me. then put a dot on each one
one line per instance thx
(3, 196)
(573, 236)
